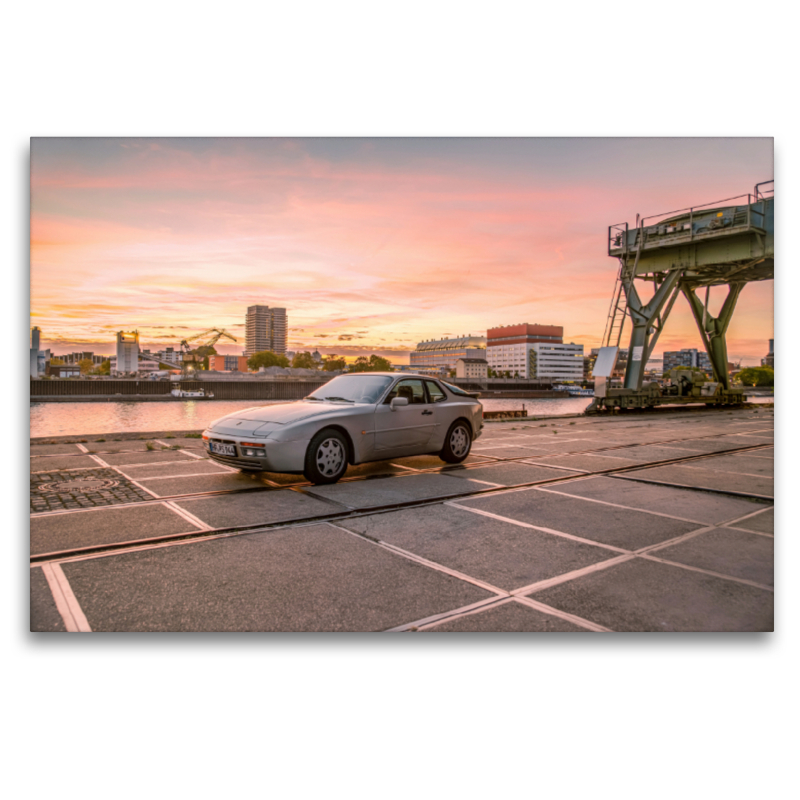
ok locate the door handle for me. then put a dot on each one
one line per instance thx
(425, 413)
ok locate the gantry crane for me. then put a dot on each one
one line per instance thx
(681, 252)
(190, 356)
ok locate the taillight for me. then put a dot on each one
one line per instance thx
(251, 444)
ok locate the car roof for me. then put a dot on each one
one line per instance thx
(395, 374)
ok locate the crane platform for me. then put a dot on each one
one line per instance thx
(729, 243)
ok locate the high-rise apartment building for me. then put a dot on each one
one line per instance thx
(769, 358)
(265, 329)
(127, 359)
(35, 352)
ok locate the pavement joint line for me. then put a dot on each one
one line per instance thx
(188, 516)
(566, 616)
(141, 545)
(150, 464)
(620, 505)
(751, 514)
(553, 466)
(747, 530)
(565, 577)
(401, 466)
(691, 568)
(99, 460)
(190, 475)
(551, 531)
(729, 472)
(191, 454)
(696, 488)
(488, 483)
(304, 491)
(67, 604)
(81, 448)
(135, 483)
(425, 562)
(86, 452)
(464, 611)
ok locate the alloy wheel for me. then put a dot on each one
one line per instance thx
(459, 441)
(330, 457)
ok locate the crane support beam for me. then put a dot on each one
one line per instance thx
(713, 329)
(642, 318)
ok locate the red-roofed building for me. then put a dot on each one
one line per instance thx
(534, 352)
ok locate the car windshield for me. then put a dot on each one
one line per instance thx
(358, 388)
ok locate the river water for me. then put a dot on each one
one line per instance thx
(127, 416)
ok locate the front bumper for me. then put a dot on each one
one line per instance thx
(286, 457)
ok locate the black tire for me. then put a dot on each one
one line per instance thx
(326, 457)
(250, 471)
(457, 443)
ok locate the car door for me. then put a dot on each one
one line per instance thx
(404, 430)
(442, 415)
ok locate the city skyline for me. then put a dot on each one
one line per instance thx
(371, 245)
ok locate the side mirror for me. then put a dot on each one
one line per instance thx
(397, 402)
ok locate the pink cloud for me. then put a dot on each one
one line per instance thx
(192, 235)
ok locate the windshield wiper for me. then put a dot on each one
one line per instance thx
(311, 397)
(342, 399)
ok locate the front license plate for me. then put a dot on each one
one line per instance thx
(223, 449)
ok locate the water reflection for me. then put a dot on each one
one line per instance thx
(126, 416)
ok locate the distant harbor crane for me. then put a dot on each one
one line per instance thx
(191, 357)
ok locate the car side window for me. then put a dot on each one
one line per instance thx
(411, 389)
(435, 392)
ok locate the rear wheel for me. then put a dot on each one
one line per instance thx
(326, 457)
(457, 443)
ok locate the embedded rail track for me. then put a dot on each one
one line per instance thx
(342, 511)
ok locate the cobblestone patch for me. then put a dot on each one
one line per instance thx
(86, 488)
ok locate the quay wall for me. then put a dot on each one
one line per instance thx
(102, 391)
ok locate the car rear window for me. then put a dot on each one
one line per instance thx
(456, 390)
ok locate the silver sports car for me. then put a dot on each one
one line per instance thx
(352, 419)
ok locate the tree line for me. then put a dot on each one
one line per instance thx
(266, 358)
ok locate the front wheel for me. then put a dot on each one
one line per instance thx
(457, 443)
(326, 457)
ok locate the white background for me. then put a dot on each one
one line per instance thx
(644, 716)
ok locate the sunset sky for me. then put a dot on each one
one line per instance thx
(371, 244)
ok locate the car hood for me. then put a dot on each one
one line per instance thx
(263, 420)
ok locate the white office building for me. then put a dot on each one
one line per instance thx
(127, 357)
(538, 361)
(556, 362)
